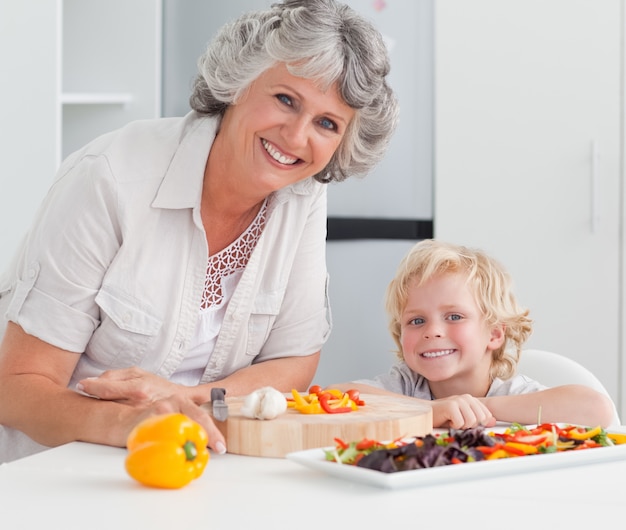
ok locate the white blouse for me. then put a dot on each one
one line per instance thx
(116, 260)
(223, 273)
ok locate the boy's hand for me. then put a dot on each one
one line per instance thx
(461, 412)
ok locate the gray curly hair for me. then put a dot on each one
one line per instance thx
(322, 40)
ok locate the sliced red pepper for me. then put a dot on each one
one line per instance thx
(366, 444)
(341, 443)
(489, 449)
(324, 398)
(588, 444)
(549, 427)
(355, 396)
(530, 439)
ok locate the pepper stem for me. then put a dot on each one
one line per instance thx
(191, 452)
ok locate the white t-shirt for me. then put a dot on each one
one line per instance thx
(402, 380)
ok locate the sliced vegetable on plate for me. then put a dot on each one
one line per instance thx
(458, 446)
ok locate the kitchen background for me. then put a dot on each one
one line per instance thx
(511, 139)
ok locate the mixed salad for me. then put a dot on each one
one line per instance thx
(458, 446)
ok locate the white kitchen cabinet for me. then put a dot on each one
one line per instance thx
(528, 150)
(110, 67)
(73, 69)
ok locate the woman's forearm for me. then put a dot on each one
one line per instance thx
(282, 374)
(52, 415)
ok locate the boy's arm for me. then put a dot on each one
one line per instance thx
(576, 404)
(458, 412)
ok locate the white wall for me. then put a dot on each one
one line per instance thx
(28, 115)
(519, 105)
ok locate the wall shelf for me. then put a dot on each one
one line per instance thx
(87, 98)
(107, 79)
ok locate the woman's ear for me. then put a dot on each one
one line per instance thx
(497, 337)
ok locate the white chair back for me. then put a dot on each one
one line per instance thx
(552, 369)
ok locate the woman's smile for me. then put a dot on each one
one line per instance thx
(277, 155)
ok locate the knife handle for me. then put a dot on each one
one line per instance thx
(217, 394)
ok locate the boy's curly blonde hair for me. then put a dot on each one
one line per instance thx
(487, 279)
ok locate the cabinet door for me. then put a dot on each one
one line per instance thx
(527, 158)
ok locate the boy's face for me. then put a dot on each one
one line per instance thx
(445, 337)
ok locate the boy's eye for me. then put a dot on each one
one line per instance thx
(284, 98)
(455, 317)
(416, 321)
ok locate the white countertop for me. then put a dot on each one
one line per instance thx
(85, 486)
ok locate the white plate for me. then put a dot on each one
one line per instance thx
(315, 459)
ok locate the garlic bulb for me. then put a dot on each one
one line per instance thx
(264, 404)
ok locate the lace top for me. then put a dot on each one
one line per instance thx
(223, 273)
(230, 260)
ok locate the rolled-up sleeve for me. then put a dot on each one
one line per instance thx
(64, 258)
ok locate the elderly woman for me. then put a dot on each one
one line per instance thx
(180, 254)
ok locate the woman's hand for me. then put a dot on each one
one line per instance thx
(191, 410)
(131, 386)
(148, 395)
(461, 412)
(35, 398)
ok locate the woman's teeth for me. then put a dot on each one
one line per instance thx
(439, 353)
(277, 155)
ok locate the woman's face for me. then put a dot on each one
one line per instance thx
(283, 130)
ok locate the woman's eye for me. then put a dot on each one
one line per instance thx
(285, 99)
(328, 124)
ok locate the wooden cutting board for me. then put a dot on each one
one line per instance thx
(381, 418)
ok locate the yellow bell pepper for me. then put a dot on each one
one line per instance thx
(576, 434)
(496, 455)
(522, 448)
(167, 451)
(618, 438)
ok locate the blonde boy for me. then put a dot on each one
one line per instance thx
(459, 331)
